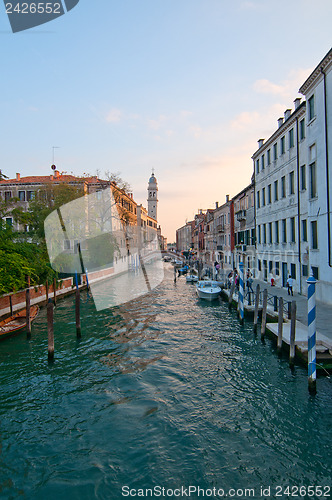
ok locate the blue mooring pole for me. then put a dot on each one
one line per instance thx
(311, 334)
(87, 279)
(76, 280)
(241, 304)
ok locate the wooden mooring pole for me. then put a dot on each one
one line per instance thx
(263, 327)
(231, 292)
(46, 290)
(280, 323)
(28, 317)
(77, 314)
(292, 334)
(50, 331)
(256, 307)
(11, 305)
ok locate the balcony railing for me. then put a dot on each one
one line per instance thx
(241, 215)
(220, 228)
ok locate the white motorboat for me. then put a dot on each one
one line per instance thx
(191, 278)
(208, 290)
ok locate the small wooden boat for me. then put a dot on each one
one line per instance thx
(18, 321)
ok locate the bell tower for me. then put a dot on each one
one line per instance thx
(152, 196)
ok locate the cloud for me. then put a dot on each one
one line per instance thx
(287, 88)
(156, 124)
(114, 115)
(248, 6)
(244, 120)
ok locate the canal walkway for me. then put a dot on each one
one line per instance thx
(323, 311)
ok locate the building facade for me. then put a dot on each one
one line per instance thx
(281, 201)
(244, 228)
(317, 90)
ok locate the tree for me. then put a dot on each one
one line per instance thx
(49, 198)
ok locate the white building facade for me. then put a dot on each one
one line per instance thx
(317, 90)
(280, 172)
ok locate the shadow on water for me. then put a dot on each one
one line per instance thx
(165, 390)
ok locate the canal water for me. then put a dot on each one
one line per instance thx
(164, 392)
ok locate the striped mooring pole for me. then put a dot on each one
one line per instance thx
(241, 304)
(311, 334)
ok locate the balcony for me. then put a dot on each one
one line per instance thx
(241, 215)
(220, 228)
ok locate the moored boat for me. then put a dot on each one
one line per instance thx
(17, 322)
(191, 278)
(208, 290)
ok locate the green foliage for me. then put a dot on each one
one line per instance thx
(21, 259)
(13, 271)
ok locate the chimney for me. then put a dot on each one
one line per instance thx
(227, 198)
(57, 174)
(260, 142)
(18, 177)
(297, 102)
(217, 204)
(280, 122)
(287, 114)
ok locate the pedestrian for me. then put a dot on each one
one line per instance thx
(249, 284)
(290, 282)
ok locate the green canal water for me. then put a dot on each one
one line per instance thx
(165, 392)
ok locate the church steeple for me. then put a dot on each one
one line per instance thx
(152, 196)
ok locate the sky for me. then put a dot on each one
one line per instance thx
(186, 87)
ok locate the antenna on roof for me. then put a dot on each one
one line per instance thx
(53, 167)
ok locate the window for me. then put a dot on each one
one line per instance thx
(269, 197)
(269, 156)
(276, 197)
(292, 229)
(302, 129)
(259, 265)
(277, 268)
(304, 230)
(313, 182)
(291, 183)
(264, 234)
(30, 195)
(311, 107)
(275, 151)
(253, 236)
(283, 187)
(66, 245)
(284, 230)
(21, 195)
(276, 231)
(258, 200)
(270, 232)
(304, 270)
(9, 221)
(270, 266)
(263, 197)
(8, 195)
(282, 145)
(293, 271)
(291, 138)
(315, 272)
(302, 178)
(263, 162)
(257, 166)
(314, 235)
(259, 235)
